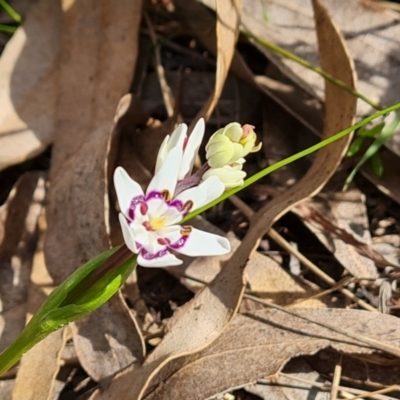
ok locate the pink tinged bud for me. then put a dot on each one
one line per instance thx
(231, 143)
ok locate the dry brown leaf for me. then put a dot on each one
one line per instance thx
(370, 51)
(347, 212)
(38, 369)
(28, 78)
(201, 320)
(264, 341)
(99, 57)
(18, 238)
(116, 343)
(199, 20)
(227, 27)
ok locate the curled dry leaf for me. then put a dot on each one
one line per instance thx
(18, 238)
(370, 51)
(29, 69)
(98, 58)
(228, 19)
(200, 321)
(264, 341)
(199, 20)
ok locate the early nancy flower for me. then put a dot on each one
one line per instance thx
(230, 144)
(150, 220)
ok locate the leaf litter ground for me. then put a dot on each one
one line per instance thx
(152, 320)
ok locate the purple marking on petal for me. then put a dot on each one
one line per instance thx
(151, 256)
(176, 203)
(154, 194)
(144, 208)
(134, 202)
(185, 233)
(170, 203)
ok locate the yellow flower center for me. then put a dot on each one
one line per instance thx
(157, 223)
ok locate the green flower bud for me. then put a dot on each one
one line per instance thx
(230, 144)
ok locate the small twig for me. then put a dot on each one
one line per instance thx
(165, 89)
(381, 391)
(336, 379)
(339, 285)
(324, 386)
(274, 235)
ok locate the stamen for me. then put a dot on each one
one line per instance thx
(144, 208)
(147, 226)
(185, 230)
(163, 241)
(166, 195)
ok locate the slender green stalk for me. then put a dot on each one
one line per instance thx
(289, 160)
(290, 56)
(10, 11)
(7, 29)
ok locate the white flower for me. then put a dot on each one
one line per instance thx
(149, 220)
(189, 145)
(230, 175)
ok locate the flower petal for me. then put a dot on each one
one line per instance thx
(177, 139)
(200, 243)
(167, 260)
(128, 235)
(166, 177)
(126, 189)
(200, 195)
(162, 153)
(230, 176)
(192, 147)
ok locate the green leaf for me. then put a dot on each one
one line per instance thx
(83, 292)
(355, 147)
(10, 11)
(373, 149)
(377, 165)
(363, 132)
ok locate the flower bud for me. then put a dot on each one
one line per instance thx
(231, 143)
(230, 175)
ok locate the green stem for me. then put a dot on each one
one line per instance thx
(7, 29)
(290, 56)
(10, 11)
(289, 160)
